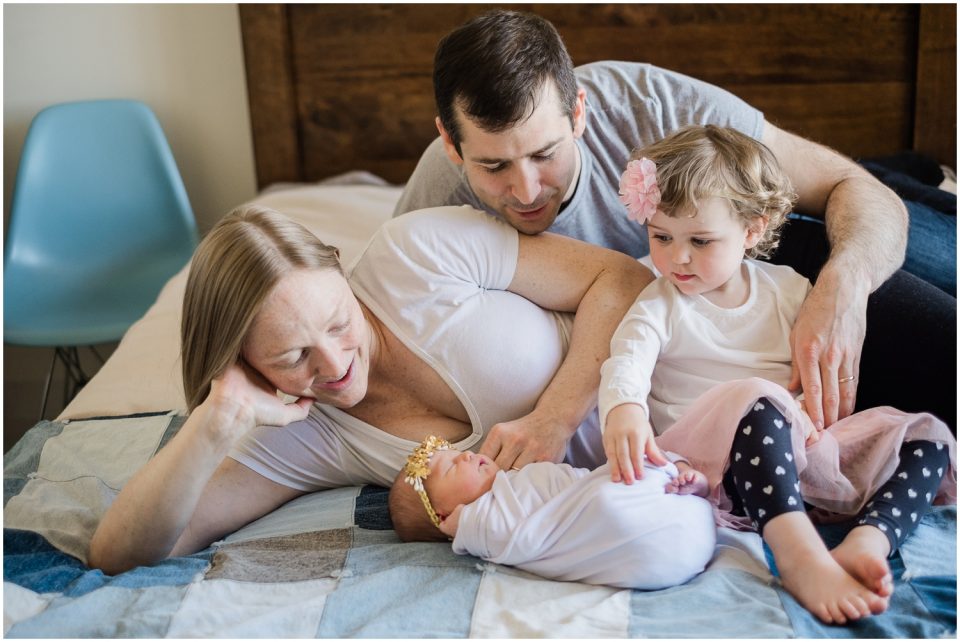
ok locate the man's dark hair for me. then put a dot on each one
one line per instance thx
(494, 66)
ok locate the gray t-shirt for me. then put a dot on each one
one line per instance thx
(629, 105)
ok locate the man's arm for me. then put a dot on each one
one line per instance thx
(559, 273)
(867, 229)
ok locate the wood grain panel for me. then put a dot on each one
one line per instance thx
(935, 133)
(271, 90)
(861, 120)
(844, 75)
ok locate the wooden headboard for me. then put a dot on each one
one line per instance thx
(343, 87)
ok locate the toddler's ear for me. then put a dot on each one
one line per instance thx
(755, 231)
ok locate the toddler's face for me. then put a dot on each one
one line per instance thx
(700, 253)
(458, 478)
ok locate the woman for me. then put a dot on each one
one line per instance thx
(447, 324)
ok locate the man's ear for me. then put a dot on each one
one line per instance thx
(580, 113)
(448, 145)
(755, 231)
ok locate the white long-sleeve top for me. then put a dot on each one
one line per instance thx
(573, 524)
(671, 348)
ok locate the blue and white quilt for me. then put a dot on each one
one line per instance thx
(329, 565)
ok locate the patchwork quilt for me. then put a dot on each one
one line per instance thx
(329, 565)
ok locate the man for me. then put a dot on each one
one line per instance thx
(525, 136)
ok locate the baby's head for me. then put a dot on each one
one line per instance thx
(436, 479)
(698, 163)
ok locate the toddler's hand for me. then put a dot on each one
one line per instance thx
(688, 482)
(627, 437)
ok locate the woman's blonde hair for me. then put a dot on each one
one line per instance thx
(700, 162)
(234, 268)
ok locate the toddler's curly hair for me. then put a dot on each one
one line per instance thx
(700, 162)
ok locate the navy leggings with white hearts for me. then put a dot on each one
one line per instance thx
(762, 481)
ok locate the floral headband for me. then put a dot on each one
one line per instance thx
(418, 468)
(639, 191)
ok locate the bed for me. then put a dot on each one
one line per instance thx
(328, 564)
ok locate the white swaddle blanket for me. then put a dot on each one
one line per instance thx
(572, 524)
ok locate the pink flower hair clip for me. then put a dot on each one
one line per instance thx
(639, 191)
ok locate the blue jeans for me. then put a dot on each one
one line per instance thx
(932, 247)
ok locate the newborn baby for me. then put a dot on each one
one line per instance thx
(557, 521)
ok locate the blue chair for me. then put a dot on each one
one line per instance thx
(99, 221)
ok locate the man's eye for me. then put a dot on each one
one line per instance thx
(493, 169)
(543, 157)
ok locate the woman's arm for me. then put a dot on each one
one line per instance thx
(189, 495)
(599, 285)
(867, 230)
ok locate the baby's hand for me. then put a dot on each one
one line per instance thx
(688, 482)
(450, 523)
(627, 437)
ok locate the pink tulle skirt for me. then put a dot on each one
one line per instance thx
(839, 473)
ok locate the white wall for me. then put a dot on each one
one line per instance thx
(184, 60)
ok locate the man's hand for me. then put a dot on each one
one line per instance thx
(627, 436)
(536, 437)
(827, 340)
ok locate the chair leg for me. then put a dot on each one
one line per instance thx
(74, 378)
(46, 384)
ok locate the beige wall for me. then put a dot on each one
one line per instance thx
(185, 61)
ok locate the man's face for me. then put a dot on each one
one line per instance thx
(523, 173)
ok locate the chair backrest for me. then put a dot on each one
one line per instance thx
(99, 221)
(97, 184)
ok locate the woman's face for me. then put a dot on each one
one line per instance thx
(310, 339)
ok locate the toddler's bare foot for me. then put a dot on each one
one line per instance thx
(812, 575)
(863, 554)
(689, 482)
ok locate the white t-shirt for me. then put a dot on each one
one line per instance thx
(671, 348)
(437, 279)
(575, 525)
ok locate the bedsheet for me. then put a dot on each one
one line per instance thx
(328, 564)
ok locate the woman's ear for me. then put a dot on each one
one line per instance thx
(755, 231)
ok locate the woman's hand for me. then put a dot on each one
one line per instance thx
(244, 395)
(535, 437)
(627, 436)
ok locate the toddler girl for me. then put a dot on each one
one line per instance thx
(703, 360)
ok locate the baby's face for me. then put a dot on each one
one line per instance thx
(458, 478)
